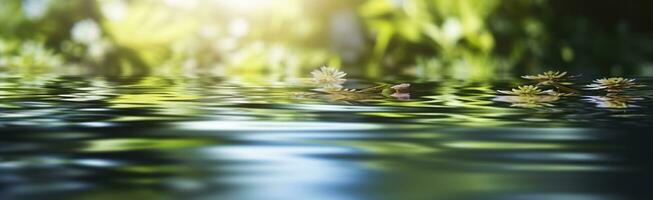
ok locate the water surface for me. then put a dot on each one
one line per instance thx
(208, 138)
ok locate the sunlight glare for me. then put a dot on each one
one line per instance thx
(250, 5)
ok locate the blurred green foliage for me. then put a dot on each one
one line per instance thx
(273, 40)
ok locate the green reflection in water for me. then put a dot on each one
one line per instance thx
(131, 144)
(220, 139)
(502, 145)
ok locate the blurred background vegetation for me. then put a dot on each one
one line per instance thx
(279, 39)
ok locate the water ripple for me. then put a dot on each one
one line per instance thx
(204, 138)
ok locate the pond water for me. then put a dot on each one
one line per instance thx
(208, 138)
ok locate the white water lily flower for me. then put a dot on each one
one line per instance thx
(329, 78)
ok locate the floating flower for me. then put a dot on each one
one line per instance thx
(549, 77)
(329, 78)
(526, 90)
(401, 91)
(615, 84)
(401, 88)
(528, 96)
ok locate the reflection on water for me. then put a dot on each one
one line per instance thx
(613, 101)
(205, 138)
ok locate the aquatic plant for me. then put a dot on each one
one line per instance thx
(401, 91)
(526, 90)
(329, 78)
(401, 88)
(528, 96)
(330, 81)
(550, 77)
(613, 85)
(534, 96)
(556, 79)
